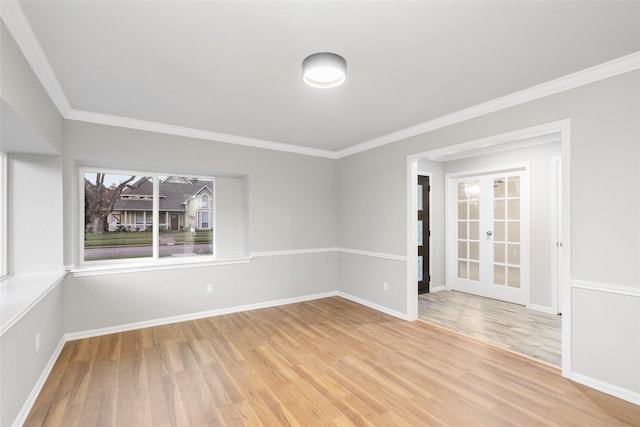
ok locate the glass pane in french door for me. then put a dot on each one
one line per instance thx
(469, 230)
(506, 231)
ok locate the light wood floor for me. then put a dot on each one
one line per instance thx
(325, 362)
(511, 326)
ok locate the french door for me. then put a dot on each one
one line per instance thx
(488, 234)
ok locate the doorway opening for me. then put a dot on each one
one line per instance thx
(444, 252)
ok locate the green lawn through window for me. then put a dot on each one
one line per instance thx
(133, 238)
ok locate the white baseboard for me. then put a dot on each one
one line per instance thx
(373, 305)
(541, 308)
(613, 390)
(191, 316)
(31, 399)
(619, 392)
(437, 289)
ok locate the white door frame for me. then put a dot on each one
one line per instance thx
(561, 127)
(556, 232)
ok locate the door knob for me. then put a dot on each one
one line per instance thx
(489, 233)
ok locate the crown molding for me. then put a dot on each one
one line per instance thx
(12, 15)
(590, 75)
(127, 122)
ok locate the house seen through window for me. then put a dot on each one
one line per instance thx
(122, 211)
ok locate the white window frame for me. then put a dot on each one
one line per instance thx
(4, 239)
(147, 263)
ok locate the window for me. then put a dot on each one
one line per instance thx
(3, 215)
(141, 216)
(203, 220)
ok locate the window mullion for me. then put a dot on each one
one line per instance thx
(156, 218)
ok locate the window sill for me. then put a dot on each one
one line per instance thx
(19, 294)
(99, 270)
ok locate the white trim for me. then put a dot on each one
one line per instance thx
(26, 408)
(555, 238)
(532, 134)
(565, 255)
(25, 38)
(563, 127)
(437, 289)
(155, 218)
(192, 316)
(599, 72)
(507, 146)
(85, 271)
(590, 75)
(169, 129)
(412, 237)
(613, 390)
(373, 305)
(631, 291)
(139, 264)
(292, 252)
(21, 30)
(123, 267)
(373, 254)
(22, 292)
(37, 388)
(541, 308)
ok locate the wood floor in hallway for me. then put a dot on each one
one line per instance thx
(327, 362)
(511, 326)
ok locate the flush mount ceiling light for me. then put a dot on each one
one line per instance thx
(324, 70)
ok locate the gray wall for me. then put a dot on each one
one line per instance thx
(105, 301)
(20, 365)
(605, 131)
(22, 91)
(36, 213)
(35, 222)
(231, 213)
(291, 206)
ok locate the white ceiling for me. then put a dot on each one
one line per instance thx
(235, 67)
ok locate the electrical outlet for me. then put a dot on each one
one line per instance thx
(385, 286)
(210, 288)
(37, 342)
